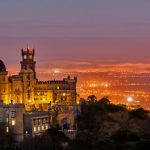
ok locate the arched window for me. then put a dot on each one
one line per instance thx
(25, 56)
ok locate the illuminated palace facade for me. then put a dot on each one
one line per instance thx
(27, 89)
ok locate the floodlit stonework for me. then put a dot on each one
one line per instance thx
(25, 88)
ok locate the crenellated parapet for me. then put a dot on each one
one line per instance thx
(28, 62)
(28, 51)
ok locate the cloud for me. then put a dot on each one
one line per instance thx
(67, 67)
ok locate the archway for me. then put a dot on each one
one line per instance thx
(65, 124)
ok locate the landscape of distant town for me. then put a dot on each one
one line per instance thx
(118, 86)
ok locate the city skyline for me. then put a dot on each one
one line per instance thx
(77, 36)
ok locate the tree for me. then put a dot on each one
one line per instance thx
(92, 98)
(104, 100)
(140, 113)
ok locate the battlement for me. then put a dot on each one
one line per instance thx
(28, 51)
(53, 82)
(28, 62)
(64, 81)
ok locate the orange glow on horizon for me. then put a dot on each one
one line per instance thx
(124, 67)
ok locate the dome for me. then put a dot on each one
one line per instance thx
(2, 66)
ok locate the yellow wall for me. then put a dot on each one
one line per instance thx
(24, 88)
(4, 87)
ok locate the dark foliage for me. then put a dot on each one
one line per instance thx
(125, 135)
(140, 113)
(98, 117)
(51, 140)
(91, 99)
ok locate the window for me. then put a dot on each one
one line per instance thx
(39, 121)
(13, 114)
(46, 127)
(39, 128)
(13, 122)
(30, 56)
(7, 129)
(36, 121)
(34, 129)
(44, 121)
(42, 127)
(25, 56)
(47, 120)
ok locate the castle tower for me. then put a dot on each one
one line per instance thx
(28, 62)
(28, 75)
(3, 83)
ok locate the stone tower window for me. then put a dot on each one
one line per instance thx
(30, 56)
(25, 56)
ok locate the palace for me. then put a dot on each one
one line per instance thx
(25, 88)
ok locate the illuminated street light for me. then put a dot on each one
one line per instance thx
(56, 71)
(93, 85)
(64, 94)
(106, 84)
(129, 99)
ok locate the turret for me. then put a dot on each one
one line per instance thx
(28, 74)
(28, 62)
(3, 83)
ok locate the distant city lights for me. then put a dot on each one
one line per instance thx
(64, 94)
(130, 99)
(106, 85)
(57, 71)
(96, 84)
(93, 85)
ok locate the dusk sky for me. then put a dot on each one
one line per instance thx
(77, 35)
